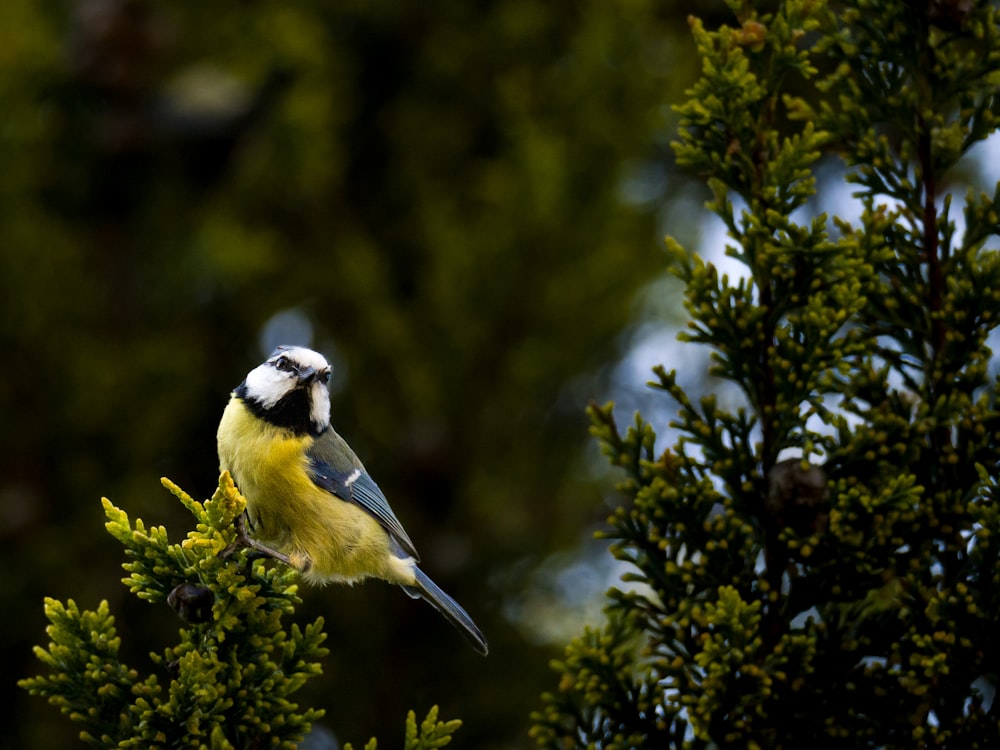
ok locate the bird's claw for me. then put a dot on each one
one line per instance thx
(244, 540)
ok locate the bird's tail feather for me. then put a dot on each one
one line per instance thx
(424, 588)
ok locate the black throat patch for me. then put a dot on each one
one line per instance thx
(291, 413)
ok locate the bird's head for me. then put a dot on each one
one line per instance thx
(290, 390)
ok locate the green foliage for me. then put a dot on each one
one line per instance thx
(846, 596)
(227, 682)
(428, 735)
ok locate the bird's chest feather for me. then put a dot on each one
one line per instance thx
(269, 465)
(287, 509)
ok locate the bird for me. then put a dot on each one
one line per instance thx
(310, 501)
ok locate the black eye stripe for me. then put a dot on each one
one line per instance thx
(284, 364)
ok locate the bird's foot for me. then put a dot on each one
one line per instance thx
(244, 540)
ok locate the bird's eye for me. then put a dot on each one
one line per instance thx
(282, 363)
(325, 376)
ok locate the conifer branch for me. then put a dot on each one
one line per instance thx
(228, 681)
(864, 349)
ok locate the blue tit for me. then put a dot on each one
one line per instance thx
(308, 495)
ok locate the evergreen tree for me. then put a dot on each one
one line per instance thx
(227, 682)
(819, 564)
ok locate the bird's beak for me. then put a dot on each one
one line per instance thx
(307, 375)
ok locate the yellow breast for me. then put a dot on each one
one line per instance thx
(329, 538)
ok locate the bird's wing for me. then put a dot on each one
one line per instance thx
(348, 480)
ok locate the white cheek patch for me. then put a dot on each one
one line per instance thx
(320, 410)
(268, 386)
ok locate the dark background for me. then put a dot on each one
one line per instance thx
(459, 203)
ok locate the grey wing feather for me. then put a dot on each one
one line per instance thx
(367, 494)
(356, 486)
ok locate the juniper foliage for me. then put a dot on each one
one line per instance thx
(846, 596)
(430, 734)
(229, 680)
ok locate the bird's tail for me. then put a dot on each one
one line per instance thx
(424, 588)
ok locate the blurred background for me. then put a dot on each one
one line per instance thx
(460, 203)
